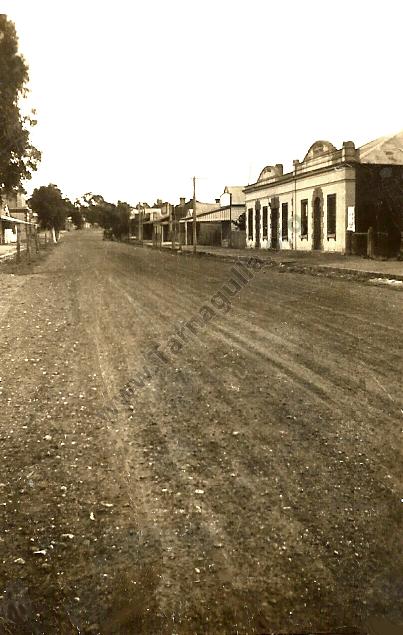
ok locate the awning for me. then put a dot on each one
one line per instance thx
(11, 219)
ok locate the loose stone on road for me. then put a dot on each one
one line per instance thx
(246, 480)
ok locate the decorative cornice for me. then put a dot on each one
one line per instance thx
(291, 177)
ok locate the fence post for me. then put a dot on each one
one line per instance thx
(18, 244)
(370, 242)
(28, 236)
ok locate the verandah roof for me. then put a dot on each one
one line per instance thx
(11, 219)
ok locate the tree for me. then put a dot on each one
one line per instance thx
(96, 210)
(18, 157)
(241, 222)
(107, 215)
(121, 220)
(52, 209)
(76, 214)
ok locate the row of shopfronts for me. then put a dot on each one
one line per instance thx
(347, 200)
(216, 224)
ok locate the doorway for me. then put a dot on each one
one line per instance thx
(317, 225)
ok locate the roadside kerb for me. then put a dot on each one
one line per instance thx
(331, 270)
(291, 266)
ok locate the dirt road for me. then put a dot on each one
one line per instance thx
(178, 462)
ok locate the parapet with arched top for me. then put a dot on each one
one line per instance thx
(318, 149)
(270, 172)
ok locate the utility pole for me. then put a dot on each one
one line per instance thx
(140, 219)
(180, 237)
(141, 225)
(230, 219)
(194, 217)
(28, 237)
(173, 227)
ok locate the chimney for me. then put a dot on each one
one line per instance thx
(182, 202)
(348, 152)
(217, 201)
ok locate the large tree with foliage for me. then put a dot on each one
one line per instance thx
(241, 222)
(120, 221)
(107, 215)
(18, 157)
(52, 209)
(76, 214)
(95, 209)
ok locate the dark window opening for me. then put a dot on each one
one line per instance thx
(284, 221)
(250, 223)
(304, 218)
(265, 222)
(331, 215)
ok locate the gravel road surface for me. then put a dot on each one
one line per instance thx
(186, 449)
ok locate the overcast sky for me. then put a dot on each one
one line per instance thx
(135, 97)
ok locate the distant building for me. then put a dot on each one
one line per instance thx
(186, 222)
(140, 216)
(218, 225)
(175, 224)
(330, 200)
(14, 211)
(164, 225)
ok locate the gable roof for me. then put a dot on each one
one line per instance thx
(387, 150)
(237, 191)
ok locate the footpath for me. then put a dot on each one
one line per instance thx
(380, 271)
(8, 251)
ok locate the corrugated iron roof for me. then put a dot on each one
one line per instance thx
(237, 192)
(201, 208)
(385, 150)
(11, 219)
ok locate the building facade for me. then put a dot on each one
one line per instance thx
(330, 200)
(306, 208)
(186, 223)
(14, 212)
(218, 226)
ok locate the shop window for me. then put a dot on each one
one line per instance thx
(331, 215)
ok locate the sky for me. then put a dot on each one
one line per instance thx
(136, 97)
